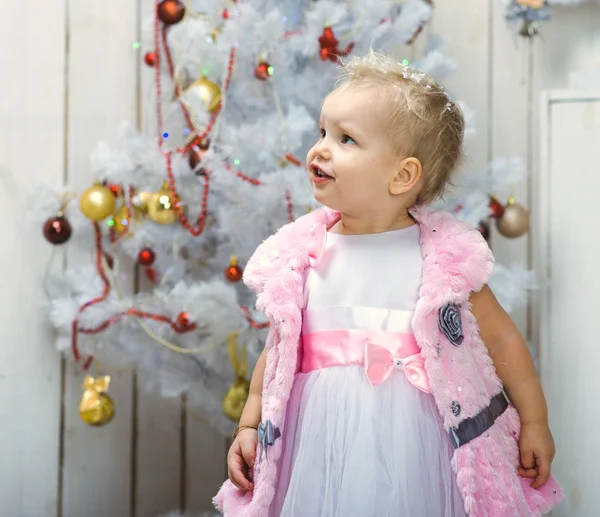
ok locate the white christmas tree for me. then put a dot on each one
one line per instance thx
(239, 86)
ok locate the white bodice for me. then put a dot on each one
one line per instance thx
(378, 270)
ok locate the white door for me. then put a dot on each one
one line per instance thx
(567, 260)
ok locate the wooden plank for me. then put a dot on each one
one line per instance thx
(464, 25)
(206, 466)
(570, 41)
(31, 152)
(567, 43)
(160, 440)
(159, 458)
(101, 94)
(511, 130)
(568, 319)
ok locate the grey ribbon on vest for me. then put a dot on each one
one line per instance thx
(267, 434)
(473, 427)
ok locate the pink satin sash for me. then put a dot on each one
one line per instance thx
(380, 352)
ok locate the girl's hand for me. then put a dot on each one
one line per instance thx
(241, 458)
(537, 452)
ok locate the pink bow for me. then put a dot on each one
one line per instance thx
(379, 364)
(316, 244)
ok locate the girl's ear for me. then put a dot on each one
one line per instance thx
(407, 176)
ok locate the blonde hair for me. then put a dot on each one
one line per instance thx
(426, 124)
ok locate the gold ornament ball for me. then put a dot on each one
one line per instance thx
(209, 93)
(96, 407)
(235, 399)
(98, 412)
(161, 206)
(514, 221)
(97, 203)
(140, 200)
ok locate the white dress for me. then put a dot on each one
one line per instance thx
(351, 449)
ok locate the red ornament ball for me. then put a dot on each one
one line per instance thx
(233, 272)
(171, 12)
(263, 71)
(183, 320)
(57, 230)
(496, 208)
(150, 58)
(146, 257)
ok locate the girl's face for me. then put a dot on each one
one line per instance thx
(533, 4)
(354, 160)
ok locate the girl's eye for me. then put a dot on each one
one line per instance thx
(322, 132)
(347, 140)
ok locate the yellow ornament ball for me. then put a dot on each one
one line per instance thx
(96, 407)
(235, 399)
(208, 92)
(139, 203)
(161, 206)
(97, 203)
(100, 412)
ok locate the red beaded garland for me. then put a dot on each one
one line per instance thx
(151, 274)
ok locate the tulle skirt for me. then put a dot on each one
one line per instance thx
(352, 450)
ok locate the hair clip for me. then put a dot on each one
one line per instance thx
(416, 77)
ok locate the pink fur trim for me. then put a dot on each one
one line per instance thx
(456, 261)
(486, 474)
(276, 273)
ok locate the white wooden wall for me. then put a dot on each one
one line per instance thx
(68, 76)
(569, 326)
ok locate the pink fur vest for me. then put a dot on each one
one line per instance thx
(457, 262)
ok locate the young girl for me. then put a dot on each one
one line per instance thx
(380, 390)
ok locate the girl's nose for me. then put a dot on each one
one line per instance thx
(321, 150)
